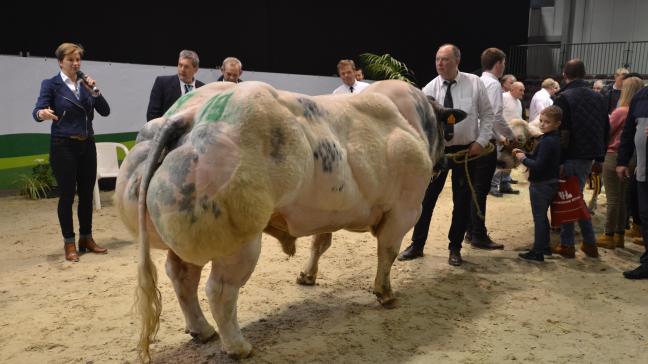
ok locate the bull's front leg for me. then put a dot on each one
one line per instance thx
(185, 278)
(321, 242)
(227, 276)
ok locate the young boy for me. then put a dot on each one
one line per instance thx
(544, 168)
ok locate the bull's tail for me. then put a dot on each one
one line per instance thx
(148, 300)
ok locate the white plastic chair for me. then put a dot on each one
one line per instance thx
(107, 165)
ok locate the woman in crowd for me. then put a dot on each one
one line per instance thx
(615, 188)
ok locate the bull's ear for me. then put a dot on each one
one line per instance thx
(443, 113)
(458, 114)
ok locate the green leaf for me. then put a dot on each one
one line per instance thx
(385, 67)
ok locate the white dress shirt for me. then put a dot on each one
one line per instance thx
(540, 100)
(74, 87)
(469, 95)
(494, 91)
(358, 87)
(512, 107)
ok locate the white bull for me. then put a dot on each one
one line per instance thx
(228, 161)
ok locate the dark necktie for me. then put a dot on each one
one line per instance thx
(188, 87)
(351, 89)
(447, 101)
(448, 129)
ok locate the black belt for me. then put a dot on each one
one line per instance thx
(80, 138)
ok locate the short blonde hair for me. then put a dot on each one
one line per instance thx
(621, 71)
(66, 49)
(548, 83)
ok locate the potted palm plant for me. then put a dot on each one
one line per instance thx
(385, 67)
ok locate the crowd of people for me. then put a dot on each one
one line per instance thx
(585, 130)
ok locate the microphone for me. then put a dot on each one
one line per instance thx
(82, 76)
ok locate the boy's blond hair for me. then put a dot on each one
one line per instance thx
(553, 112)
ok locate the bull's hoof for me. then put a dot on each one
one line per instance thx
(240, 351)
(387, 302)
(305, 279)
(203, 337)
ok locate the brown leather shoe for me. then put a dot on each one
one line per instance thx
(71, 252)
(566, 251)
(89, 244)
(589, 250)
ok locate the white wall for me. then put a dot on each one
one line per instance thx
(126, 87)
(593, 21)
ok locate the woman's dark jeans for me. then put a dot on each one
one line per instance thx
(74, 163)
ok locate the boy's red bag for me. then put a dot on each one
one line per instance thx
(568, 204)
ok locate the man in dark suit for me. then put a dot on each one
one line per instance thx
(167, 89)
(231, 70)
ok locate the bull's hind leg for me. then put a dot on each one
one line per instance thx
(390, 233)
(185, 278)
(321, 242)
(227, 276)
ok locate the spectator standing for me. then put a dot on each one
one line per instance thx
(346, 71)
(493, 61)
(231, 70)
(542, 98)
(634, 139)
(598, 85)
(584, 135)
(512, 106)
(613, 92)
(615, 187)
(507, 81)
(167, 89)
(544, 167)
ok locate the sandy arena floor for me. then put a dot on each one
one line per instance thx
(493, 309)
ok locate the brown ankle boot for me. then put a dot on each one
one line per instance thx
(88, 244)
(70, 252)
(638, 241)
(619, 240)
(589, 250)
(566, 251)
(606, 241)
(634, 231)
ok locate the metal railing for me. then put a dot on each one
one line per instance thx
(542, 60)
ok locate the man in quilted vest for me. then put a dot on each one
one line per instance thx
(584, 136)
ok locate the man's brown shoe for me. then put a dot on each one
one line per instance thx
(566, 251)
(88, 244)
(638, 241)
(590, 250)
(70, 252)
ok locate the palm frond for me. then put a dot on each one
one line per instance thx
(385, 67)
